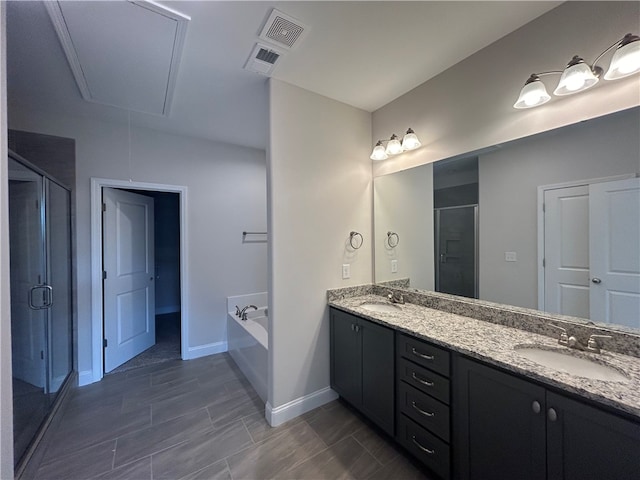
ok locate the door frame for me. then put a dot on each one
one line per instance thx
(97, 318)
(540, 213)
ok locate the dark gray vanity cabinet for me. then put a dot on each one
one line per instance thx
(507, 427)
(362, 366)
(423, 402)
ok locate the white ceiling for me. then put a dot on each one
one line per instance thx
(364, 54)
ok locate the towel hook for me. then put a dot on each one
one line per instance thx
(392, 239)
(353, 240)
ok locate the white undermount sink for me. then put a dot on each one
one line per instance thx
(569, 363)
(381, 307)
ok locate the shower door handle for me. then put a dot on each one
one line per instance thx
(47, 297)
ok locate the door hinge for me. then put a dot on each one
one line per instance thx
(544, 262)
(104, 343)
(104, 274)
(544, 207)
(104, 207)
(37, 204)
(41, 354)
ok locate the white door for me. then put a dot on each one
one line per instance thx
(615, 252)
(566, 251)
(128, 258)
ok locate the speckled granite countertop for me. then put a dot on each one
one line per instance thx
(494, 344)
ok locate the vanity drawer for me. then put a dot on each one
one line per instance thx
(423, 353)
(426, 447)
(424, 410)
(424, 379)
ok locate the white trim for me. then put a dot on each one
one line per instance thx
(279, 415)
(204, 350)
(541, 191)
(85, 378)
(97, 366)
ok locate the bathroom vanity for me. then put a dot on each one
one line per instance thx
(462, 396)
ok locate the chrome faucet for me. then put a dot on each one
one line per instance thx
(243, 312)
(395, 297)
(593, 345)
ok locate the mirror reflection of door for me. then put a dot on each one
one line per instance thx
(592, 251)
(456, 240)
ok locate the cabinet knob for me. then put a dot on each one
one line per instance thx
(552, 415)
(535, 406)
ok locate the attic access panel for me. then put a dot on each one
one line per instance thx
(123, 54)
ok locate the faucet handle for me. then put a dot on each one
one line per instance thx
(563, 339)
(237, 311)
(593, 344)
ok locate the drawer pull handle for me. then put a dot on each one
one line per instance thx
(425, 450)
(422, 355)
(426, 414)
(418, 379)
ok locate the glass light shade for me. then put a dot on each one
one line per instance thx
(625, 60)
(577, 77)
(533, 93)
(410, 141)
(378, 152)
(394, 147)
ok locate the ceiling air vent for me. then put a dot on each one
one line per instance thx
(263, 59)
(283, 30)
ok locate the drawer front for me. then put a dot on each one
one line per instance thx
(425, 354)
(427, 448)
(425, 410)
(423, 379)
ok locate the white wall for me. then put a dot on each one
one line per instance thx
(6, 397)
(403, 203)
(508, 181)
(226, 195)
(319, 190)
(469, 106)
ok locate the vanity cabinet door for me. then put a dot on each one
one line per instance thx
(346, 371)
(378, 374)
(362, 366)
(499, 424)
(584, 442)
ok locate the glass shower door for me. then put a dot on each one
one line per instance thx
(29, 298)
(58, 229)
(456, 250)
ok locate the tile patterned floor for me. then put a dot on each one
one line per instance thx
(200, 419)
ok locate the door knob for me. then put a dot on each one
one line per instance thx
(596, 280)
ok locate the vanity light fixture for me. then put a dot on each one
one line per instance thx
(579, 76)
(394, 147)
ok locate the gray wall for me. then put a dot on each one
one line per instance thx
(509, 178)
(6, 394)
(319, 190)
(470, 106)
(226, 194)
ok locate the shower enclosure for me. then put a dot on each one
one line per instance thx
(456, 242)
(41, 304)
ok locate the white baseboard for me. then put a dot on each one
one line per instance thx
(86, 377)
(169, 309)
(204, 350)
(279, 415)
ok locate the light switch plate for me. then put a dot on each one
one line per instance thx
(346, 271)
(394, 266)
(510, 257)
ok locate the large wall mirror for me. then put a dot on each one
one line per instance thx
(548, 222)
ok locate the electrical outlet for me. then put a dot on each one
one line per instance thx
(510, 257)
(346, 271)
(394, 266)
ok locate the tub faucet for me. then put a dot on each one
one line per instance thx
(243, 312)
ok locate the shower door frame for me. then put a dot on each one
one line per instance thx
(476, 251)
(65, 384)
